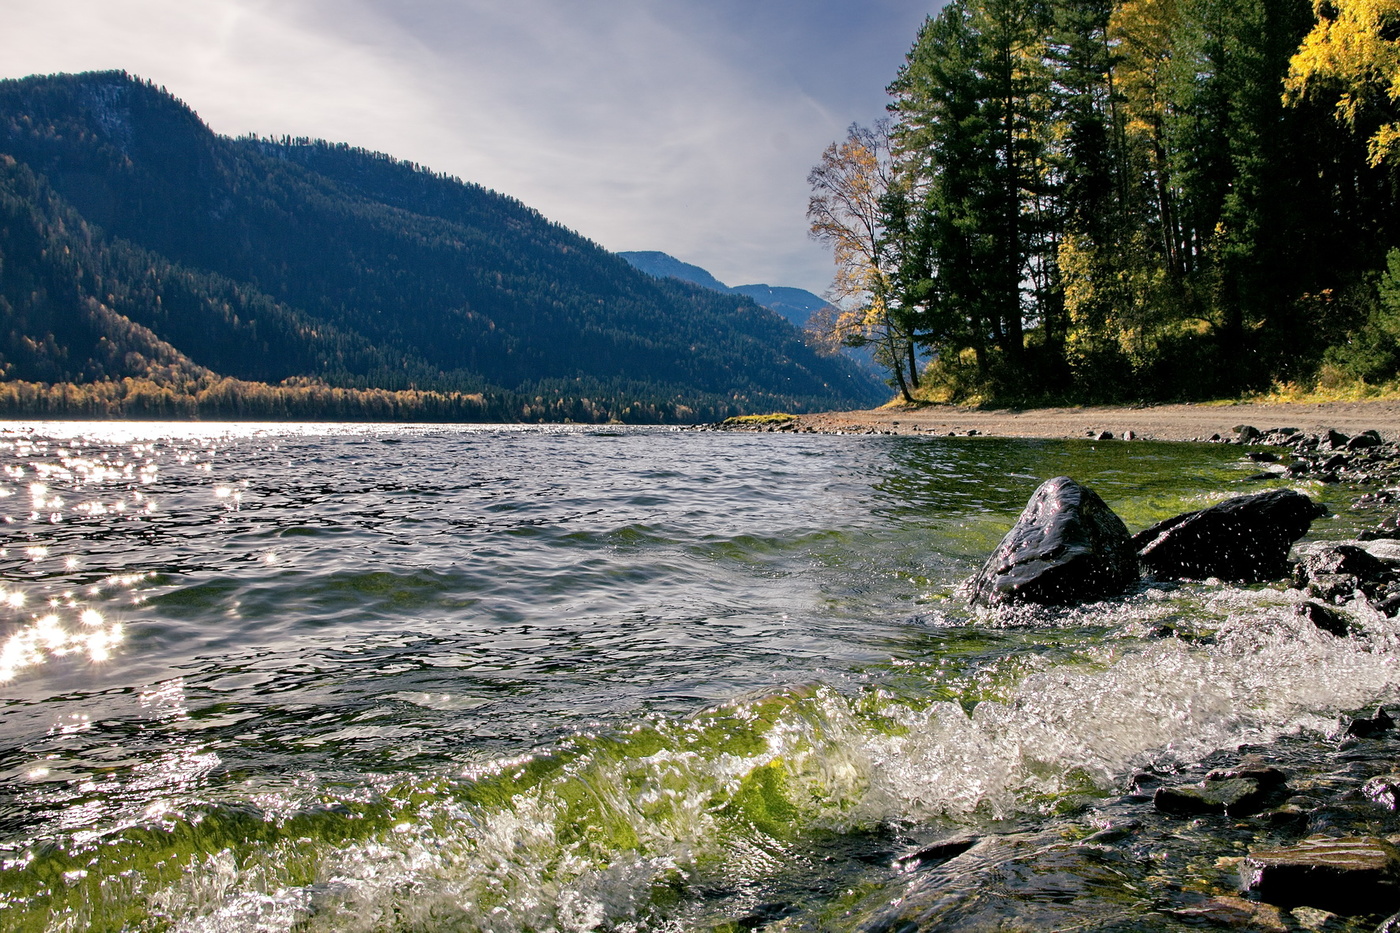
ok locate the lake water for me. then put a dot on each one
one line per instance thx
(297, 677)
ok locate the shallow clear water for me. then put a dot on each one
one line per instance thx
(342, 677)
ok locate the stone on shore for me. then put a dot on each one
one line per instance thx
(1068, 546)
(1357, 875)
(1243, 540)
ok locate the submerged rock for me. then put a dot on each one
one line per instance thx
(1245, 540)
(1234, 913)
(1238, 791)
(1235, 797)
(1067, 546)
(936, 854)
(1348, 876)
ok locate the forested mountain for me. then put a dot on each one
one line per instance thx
(1086, 200)
(139, 245)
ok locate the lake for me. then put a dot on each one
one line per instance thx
(348, 677)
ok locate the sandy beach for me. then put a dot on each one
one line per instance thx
(1149, 422)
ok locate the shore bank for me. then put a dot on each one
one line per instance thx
(1186, 422)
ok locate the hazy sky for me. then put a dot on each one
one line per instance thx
(686, 126)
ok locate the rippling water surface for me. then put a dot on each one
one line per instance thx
(342, 677)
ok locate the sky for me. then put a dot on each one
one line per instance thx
(686, 126)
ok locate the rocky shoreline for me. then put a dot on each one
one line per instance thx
(1299, 834)
(1186, 422)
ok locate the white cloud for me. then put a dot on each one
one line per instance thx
(686, 127)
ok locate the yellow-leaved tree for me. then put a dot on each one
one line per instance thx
(1354, 51)
(847, 213)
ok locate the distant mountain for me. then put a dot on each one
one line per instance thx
(137, 247)
(795, 304)
(664, 265)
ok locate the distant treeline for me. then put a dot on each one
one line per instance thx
(224, 399)
(1089, 200)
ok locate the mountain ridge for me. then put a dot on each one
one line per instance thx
(795, 304)
(321, 263)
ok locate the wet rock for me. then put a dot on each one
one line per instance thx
(1325, 618)
(1384, 790)
(1337, 572)
(1389, 528)
(1239, 796)
(937, 854)
(1246, 539)
(764, 915)
(1333, 587)
(1111, 835)
(1342, 558)
(1234, 913)
(1254, 768)
(1310, 918)
(1237, 791)
(1387, 605)
(1067, 546)
(1336, 440)
(1391, 925)
(1348, 876)
(1144, 785)
(1289, 818)
(1247, 434)
(1369, 728)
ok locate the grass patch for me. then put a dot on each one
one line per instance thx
(748, 421)
(1332, 389)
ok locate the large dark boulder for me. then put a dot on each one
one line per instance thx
(1245, 540)
(1346, 876)
(1067, 546)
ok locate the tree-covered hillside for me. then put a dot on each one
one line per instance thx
(133, 234)
(1127, 199)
